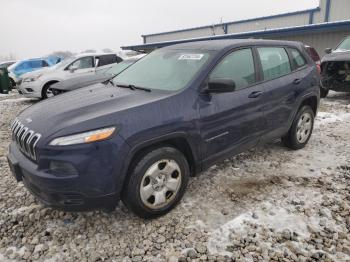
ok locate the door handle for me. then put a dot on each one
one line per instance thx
(297, 81)
(255, 94)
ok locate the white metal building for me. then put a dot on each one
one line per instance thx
(321, 27)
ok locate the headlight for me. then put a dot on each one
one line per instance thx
(84, 138)
(31, 79)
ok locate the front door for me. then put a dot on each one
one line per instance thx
(81, 67)
(231, 122)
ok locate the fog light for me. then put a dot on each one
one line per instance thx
(61, 168)
(29, 90)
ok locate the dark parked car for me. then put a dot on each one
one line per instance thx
(83, 81)
(167, 117)
(336, 69)
(6, 64)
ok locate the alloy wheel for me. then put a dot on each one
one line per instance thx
(304, 127)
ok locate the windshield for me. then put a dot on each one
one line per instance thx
(168, 70)
(64, 62)
(345, 45)
(120, 67)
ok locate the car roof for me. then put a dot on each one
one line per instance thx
(92, 54)
(217, 45)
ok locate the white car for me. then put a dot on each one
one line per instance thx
(37, 84)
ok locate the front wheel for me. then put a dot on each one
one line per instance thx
(47, 92)
(300, 132)
(156, 183)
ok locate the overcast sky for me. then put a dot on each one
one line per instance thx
(33, 28)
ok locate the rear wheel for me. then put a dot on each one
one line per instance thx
(157, 182)
(300, 132)
(12, 83)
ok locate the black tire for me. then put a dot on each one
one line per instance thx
(131, 195)
(291, 138)
(12, 83)
(45, 88)
(323, 92)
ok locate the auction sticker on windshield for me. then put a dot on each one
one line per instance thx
(191, 57)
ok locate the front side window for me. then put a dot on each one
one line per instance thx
(297, 58)
(163, 69)
(82, 63)
(275, 62)
(237, 66)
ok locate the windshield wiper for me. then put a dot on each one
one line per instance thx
(109, 81)
(133, 87)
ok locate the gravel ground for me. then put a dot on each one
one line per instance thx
(269, 204)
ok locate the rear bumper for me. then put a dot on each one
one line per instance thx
(95, 187)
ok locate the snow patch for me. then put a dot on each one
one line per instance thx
(15, 100)
(278, 219)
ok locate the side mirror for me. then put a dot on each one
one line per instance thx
(328, 50)
(217, 86)
(72, 69)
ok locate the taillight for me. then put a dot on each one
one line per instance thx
(318, 68)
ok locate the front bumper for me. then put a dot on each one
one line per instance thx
(96, 186)
(29, 89)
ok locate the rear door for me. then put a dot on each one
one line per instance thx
(279, 89)
(231, 122)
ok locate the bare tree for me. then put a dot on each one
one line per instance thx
(89, 51)
(9, 57)
(107, 50)
(62, 54)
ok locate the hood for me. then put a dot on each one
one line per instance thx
(84, 109)
(337, 56)
(81, 81)
(37, 72)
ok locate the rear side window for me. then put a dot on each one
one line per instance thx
(106, 60)
(238, 66)
(297, 58)
(275, 62)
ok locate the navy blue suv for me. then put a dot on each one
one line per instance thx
(139, 136)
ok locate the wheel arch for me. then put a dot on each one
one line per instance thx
(176, 140)
(48, 83)
(311, 101)
(13, 83)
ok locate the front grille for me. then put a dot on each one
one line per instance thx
(25, 139)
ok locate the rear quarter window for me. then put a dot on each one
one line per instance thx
(274, 61)
(297, 58)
